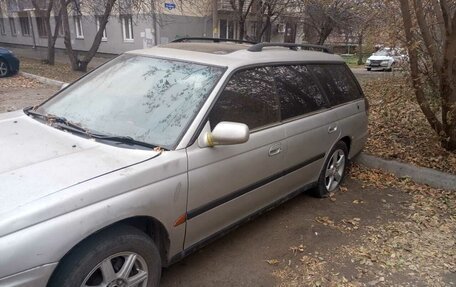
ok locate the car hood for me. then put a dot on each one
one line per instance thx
(37, 160)
(380, 58)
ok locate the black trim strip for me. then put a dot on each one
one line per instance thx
(221, 233)
(224, 199)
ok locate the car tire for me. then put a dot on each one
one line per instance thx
(4, 69)
(333, 172)
(102, 259)
(368, 69)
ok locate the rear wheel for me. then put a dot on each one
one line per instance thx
(4, 69)
(369, 69)
(121, 256)
(333, 171)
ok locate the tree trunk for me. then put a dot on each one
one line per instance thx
(360, 48)
(448, 83)
(241, 29)
(72, 55)
(415, 73)
(325, 31)
(96, 42)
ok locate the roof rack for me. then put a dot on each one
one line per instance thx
(259, 47)
(215, 40)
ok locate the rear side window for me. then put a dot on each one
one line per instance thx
(337, 82)
(297, 90)
(249, 98)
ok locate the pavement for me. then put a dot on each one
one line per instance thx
(240, 258)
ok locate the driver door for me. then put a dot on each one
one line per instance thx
(228, 183)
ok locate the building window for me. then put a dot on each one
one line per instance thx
(78, 27)
(105, 35)
(25, 25)
(2, 27)
(127, 28)
(226, 29)
(41, 25)
(12, 26)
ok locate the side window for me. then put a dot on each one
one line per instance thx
(249, 98)
(337, 82)
(297, 90)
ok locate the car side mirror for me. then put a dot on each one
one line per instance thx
(227, 133)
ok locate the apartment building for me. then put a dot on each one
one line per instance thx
(21, 24)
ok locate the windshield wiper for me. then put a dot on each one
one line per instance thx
(62, 122)
(123, 139)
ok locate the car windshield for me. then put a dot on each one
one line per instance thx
(148, 99)
(382, 53)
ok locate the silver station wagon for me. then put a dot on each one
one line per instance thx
(159, 151)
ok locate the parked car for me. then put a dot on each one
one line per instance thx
(9, 63)
(386, 59)
(150, 156)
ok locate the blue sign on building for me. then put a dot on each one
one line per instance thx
(170, 6)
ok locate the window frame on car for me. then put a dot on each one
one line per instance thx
(350, 74)
(205, 118)
(227, 81)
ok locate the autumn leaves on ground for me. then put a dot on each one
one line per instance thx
(414, 247)
(412, 242)
(398, 129)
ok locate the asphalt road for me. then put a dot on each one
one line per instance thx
(239, 258)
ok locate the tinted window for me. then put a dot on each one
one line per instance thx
(297, 90)
(338, 83)
(248, 98)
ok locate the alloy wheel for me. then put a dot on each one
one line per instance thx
(3, 69)
(335, 170)
(126, 269)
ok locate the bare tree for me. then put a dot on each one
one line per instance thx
(269, 12)
(76, 63)
(366, 15)
(242, 9)
(430, 31)
(323, 17)
(45, 9)
(104, 8)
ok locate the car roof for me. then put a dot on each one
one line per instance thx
(234, 55)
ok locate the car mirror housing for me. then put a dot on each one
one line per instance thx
(227, 133)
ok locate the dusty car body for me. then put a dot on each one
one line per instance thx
(60, 186)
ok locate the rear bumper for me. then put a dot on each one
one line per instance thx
(358, 144)
(35, 277)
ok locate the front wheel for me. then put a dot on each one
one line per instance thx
(333, 171)
(4, 69)
(121, 256)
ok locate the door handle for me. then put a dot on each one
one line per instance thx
(275, 150)
(332, 129)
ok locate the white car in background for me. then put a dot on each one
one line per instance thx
(386, 59)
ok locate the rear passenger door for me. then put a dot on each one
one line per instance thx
(346, 100)
(307, 123)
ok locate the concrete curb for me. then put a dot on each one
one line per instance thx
(421, 175)
(43, 80)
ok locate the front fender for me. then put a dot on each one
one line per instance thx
(48, 241)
